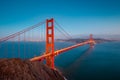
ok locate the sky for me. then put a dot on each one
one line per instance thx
(78, 17)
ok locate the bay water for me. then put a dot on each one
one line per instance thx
(83, 63)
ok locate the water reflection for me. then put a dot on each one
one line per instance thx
(76, 64)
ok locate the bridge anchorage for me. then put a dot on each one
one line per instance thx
(50, 53)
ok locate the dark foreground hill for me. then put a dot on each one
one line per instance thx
(17, 69)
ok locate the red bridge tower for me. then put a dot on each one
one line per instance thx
(50, 42)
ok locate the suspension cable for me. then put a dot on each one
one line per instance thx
(21, 32)
(63, 31)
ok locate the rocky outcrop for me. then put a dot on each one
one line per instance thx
(17, 69)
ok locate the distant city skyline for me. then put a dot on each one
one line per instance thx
(78, 17)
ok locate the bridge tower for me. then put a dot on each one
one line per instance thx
(92, 41)
(50, 42)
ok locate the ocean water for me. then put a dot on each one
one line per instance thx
(83, 63)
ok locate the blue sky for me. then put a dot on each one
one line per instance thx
(99, 17)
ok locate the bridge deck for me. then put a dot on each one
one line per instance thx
(60, 51)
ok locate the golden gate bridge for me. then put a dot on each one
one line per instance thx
(50, 51)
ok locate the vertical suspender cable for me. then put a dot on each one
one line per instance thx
(19, 46)
(24, 45)
(12, 43)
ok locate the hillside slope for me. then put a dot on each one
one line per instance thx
(17, 69)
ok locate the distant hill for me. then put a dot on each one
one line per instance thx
(81, 40)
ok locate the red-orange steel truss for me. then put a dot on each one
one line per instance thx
(50, 42)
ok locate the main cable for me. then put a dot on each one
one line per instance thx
(21, 32)
(63, 31)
